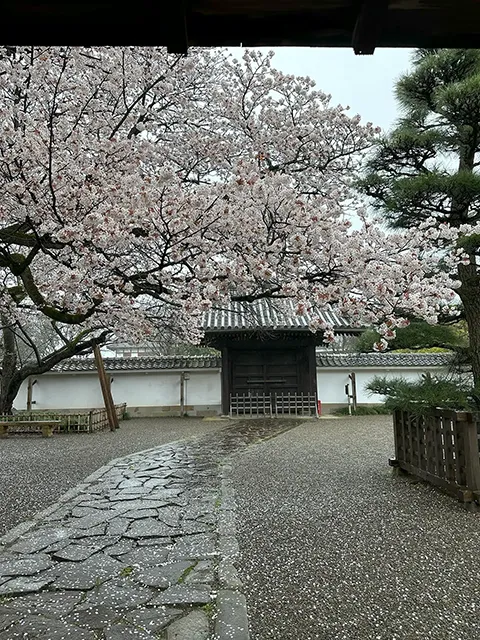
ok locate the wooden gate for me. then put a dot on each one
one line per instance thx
(254, 405)
(296, 404)
(440, 447)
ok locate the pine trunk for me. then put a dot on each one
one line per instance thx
(470, 295)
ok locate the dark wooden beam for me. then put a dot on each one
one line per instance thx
(177, 36)
(370, 21)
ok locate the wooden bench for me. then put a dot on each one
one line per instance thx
(45, 426)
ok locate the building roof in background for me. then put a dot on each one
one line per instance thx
(259, 23)
(268, 315)
(327, 360)
(358, 360)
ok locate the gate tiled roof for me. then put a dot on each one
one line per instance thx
(268, 315)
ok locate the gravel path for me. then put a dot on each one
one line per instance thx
(336, 547)
(35, 471)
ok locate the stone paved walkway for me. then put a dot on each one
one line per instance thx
(144, 548)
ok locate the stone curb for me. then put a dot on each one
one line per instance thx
(231, 621)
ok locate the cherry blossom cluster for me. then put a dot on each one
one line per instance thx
(141, 188)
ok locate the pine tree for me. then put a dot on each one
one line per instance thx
(428, 166)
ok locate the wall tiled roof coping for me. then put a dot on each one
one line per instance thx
(354, 360)
(324, 360)
(143, 364)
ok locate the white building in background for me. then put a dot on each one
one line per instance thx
(153, 386)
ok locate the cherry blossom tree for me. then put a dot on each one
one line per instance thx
(139, 188)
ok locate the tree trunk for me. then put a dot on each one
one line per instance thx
(9, 386)
(470, 295)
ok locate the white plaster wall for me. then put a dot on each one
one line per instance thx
(331, 382)
(203, 388)
(62, 391)
(137, 389)
(162, 388)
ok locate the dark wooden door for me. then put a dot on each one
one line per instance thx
(267, 371)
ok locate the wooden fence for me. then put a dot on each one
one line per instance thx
(440, 447)
(278, 404)
(83, 421)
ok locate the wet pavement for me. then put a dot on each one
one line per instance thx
(336, 546)
(143, 548)
(35, 471)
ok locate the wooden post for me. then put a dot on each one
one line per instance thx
(182, 394)
(29, 394)
(354, 390)
(106, 391)
(472, 462)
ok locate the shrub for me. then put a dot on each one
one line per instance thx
(424, 394)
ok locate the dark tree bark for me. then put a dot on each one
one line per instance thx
(13, 375)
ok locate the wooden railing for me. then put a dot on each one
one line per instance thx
(440, 447)
(82, 421)
(296, 404)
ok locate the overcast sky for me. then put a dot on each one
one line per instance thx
(365, 83)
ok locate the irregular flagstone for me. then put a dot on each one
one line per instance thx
(164, 494)
(93, 616)
(91, 521)
(117, 525)
(25, 565)
(190, 527)
(170, 515)
(146, 556)
(35, 625)
(148, 528)
(80, 512)
(7, 620)
(131, 482)
(45, 602)
(138, 514)
(125, 631)
(193, 626)
(121, 548)
(23, 584)
(197, 546)
(152, 619)
(156, 482)
(87, 574)
(61, 633)
(183, 594)
(88, 533)
(164, 575)
(203, 573)
(39, 540)
(77, 552)
(119, 593)
(138, 504)
(155, 542)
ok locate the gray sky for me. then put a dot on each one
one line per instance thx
(365, 83)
